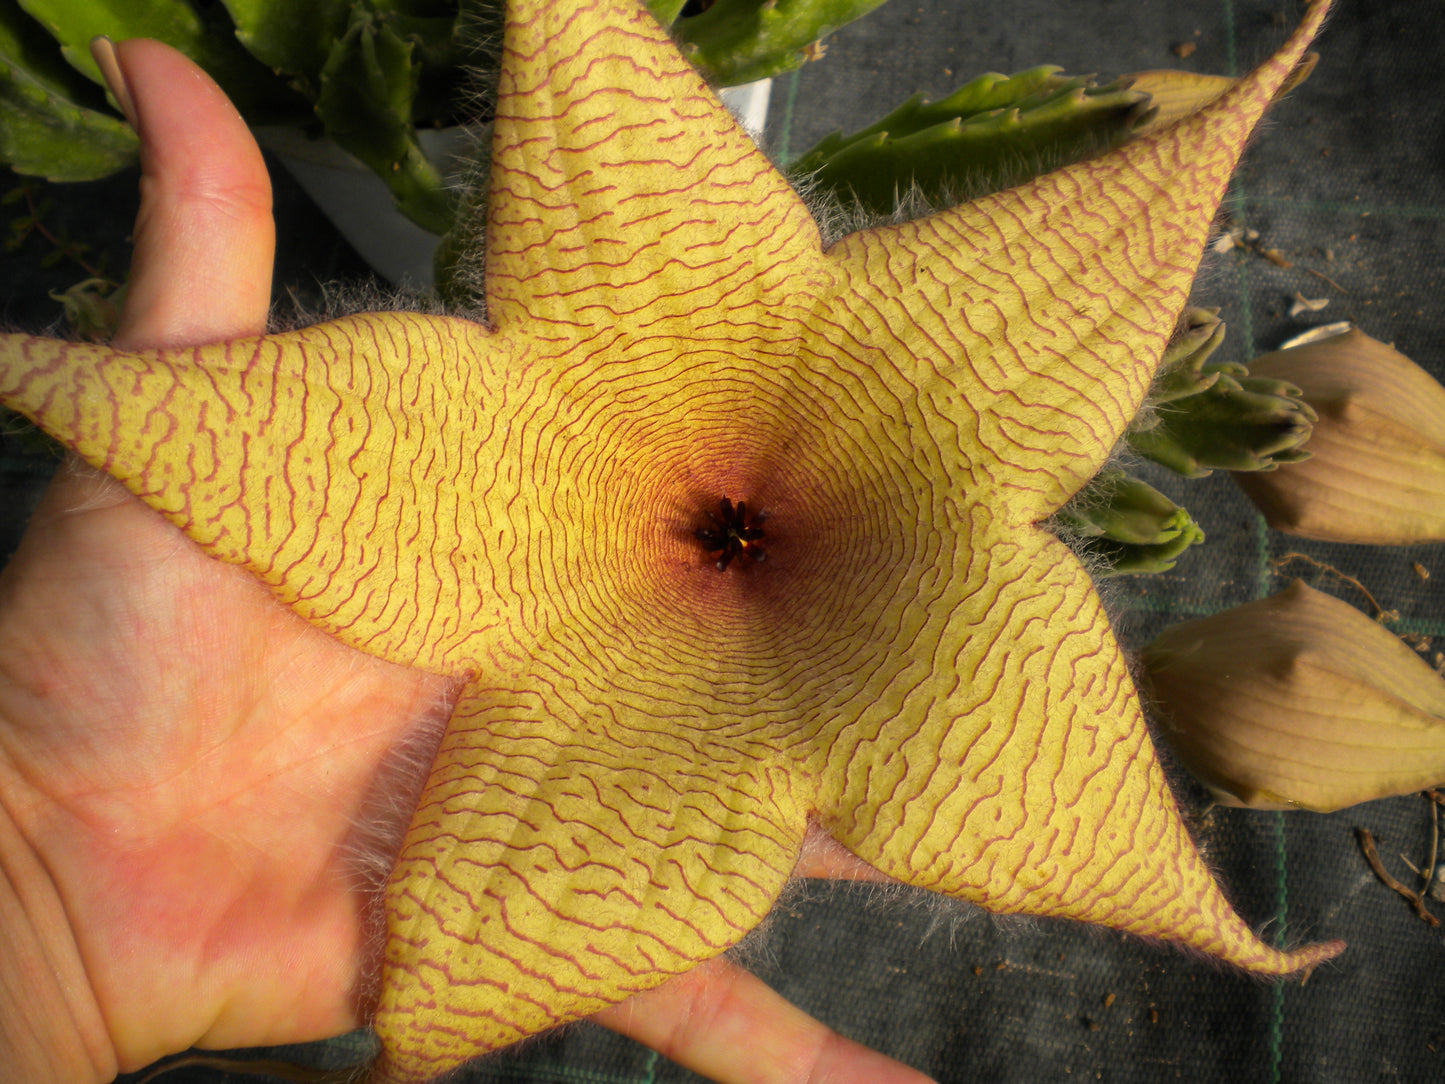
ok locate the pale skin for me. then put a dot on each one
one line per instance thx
(184, 762)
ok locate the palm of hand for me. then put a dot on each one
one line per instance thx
(189, 761)
(205, 756)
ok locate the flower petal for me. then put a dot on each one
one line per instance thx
(622, 190)
(553, 868)
(1022, 777)
(323, 460)
(1043, 310)
(1376, 470)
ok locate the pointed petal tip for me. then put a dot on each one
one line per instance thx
(1246, 954)
(1295, 52)
(1301, 962)
(1279, 74)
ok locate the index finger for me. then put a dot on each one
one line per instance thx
(730, 1026)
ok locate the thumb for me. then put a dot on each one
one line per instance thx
(204, 239)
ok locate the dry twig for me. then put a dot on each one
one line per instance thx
(1367, 845)
(1382, 615)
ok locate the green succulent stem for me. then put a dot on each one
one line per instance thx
(257, 92)
(666, 11)
(988, 134)
(53, 122)
(367, 91)
(738, 41)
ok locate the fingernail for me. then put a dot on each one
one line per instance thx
(103, 50)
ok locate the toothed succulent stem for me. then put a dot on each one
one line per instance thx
(368, 89)
(373, 73)
(738, 41)
(993, 132)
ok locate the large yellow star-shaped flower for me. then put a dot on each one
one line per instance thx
(918, 665)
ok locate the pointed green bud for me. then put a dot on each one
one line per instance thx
(1376, 473)
(1182, 370)
(1127, 525)
(1298, 701)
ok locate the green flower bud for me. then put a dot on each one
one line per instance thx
(1377, 468)
(1182, 371)
(1298, 701)
(1127, 525)
(1239, 423)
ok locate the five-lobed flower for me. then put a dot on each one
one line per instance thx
(919, 666)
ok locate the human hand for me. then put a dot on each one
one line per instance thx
(195, 782)
(183, 760)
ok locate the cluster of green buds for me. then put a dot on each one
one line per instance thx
(1208, 416)
(1202, 416)
(1298, 701)
(1341, 439)
(1127, 526)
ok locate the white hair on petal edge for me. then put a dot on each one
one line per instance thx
(380, 825)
